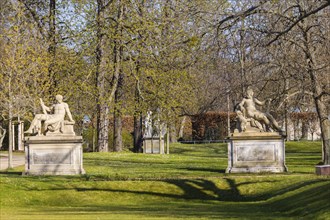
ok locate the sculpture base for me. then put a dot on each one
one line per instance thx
(256, 152)
(323, 170)
(153, 146)
(66, 130)
(51, 155)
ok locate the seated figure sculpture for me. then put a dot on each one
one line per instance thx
(248, 113)
(52, 122)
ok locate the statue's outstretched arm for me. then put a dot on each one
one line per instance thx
(261, 103)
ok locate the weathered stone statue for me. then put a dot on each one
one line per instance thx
(257, 144)
(52, 122)
(148, 125)
(59, 151)
(153, 127)
(153, 134)
(249, 117)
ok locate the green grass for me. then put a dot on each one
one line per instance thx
(190, 183)
(4, 153)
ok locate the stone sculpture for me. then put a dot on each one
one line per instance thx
(153, 134)
(56, 149)
(251, 119)
(153, 127)
(53, 123)
(148, 125)
(257, 145)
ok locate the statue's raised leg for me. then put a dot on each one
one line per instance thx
(35, 126)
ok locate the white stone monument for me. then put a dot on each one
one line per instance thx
(153, 137)
(56, 149)
(256, 144)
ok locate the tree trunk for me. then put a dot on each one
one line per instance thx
(138, 134)
(20, 146)
(304, 130)
(138, 140)
(324, 124)
(118, 83)
(296, 129)
(10, 132)
(118, 126)
(319, 104)
(172, 132)
(101, 67)
(317, 95)
(325, 129)
(10, 147)
(167, 140)
(103, 128)
(326, 142)
(52, 44)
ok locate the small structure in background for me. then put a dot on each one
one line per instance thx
(55, 150)
(153, 135)
(257, 144)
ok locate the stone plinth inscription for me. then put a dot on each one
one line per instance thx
(255, 153)
(50, 157)
(53, 155)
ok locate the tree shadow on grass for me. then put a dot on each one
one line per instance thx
(202, 189)
(11, 173)
(203, 198)
(310, 202)
(205, 169)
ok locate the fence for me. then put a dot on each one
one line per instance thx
(204, 141)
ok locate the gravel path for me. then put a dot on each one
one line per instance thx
(18, 160)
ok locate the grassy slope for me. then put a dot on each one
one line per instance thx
(190, 183)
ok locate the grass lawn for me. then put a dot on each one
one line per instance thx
(190, 183)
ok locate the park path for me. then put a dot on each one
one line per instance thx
(18, 160)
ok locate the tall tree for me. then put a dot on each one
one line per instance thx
(52, 43)
(118, 52)
(101, 69)
(107, 53)
(304, 25)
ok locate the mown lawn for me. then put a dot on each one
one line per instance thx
(190, 183)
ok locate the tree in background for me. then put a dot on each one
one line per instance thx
(22, 64)
(183, 58)
(303, 26)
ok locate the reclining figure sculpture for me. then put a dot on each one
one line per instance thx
(249, 117)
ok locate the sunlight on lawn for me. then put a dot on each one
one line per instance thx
(190, 183)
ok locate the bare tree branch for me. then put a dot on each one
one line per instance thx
(292, 95)
(249, 11)
(35, 17)
(327, 3)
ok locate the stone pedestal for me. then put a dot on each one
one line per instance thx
(53, 155)
(323, 170)
(152, 145)
(255, 152)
